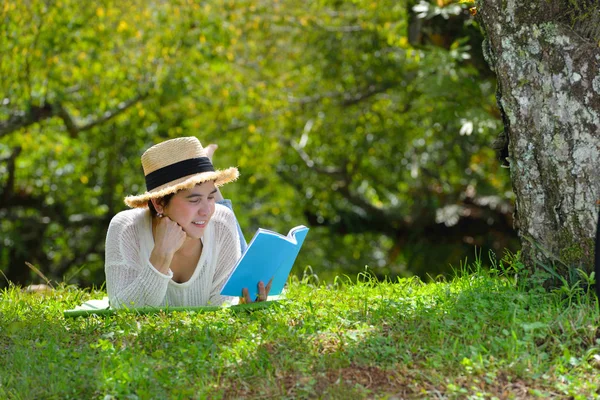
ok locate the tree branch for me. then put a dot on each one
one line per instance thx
(23, 198)
(23, 119)
(326, 170)
(10, 183)
(36, 114)
(473, 222)
(470, 217)
(347, 99)
(108, 115)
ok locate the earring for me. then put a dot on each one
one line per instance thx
(159, 215)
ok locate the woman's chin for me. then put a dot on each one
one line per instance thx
(195, 233)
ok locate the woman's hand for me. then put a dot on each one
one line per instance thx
(168, 238)
(263, 293)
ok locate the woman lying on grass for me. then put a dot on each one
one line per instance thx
(180, 241)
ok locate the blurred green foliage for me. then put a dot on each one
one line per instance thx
(371, 122)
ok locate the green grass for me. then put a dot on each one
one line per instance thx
(481, 335)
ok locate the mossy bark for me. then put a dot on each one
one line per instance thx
(548, 67)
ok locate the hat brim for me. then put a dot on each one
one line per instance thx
(220, 177)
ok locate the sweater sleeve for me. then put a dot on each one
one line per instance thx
(131, 281)
(228, 253)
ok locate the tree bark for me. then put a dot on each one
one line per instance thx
(546, 56)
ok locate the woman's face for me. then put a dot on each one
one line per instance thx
(193, 208)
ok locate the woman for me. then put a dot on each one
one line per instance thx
(176, 246)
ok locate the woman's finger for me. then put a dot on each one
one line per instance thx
(246, 296)
(262, 296)
(268, 288)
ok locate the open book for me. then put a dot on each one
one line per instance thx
(269, 255)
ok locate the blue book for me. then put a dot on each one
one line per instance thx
(269, 255)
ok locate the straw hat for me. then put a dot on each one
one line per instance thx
(174, 165)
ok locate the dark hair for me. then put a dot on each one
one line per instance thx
(163, 201)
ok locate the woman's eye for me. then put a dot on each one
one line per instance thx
(211, 198)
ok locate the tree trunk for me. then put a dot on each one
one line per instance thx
(546, 56)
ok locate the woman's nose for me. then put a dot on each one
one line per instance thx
(204, 208)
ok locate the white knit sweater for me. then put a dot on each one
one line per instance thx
(132, 281)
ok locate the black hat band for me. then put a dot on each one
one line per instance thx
(178, 170)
